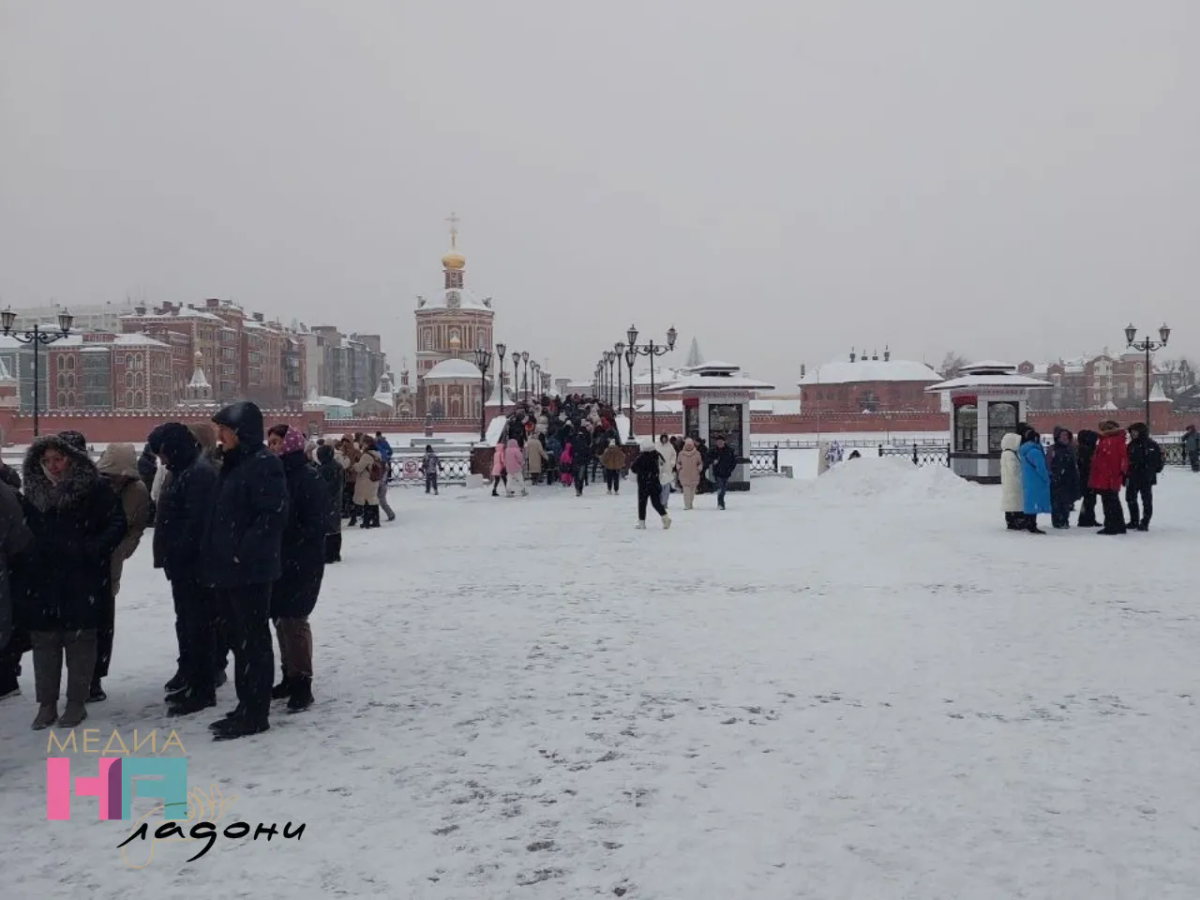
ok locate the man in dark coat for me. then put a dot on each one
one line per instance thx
(241, 559)
(1064, 478)
(581, 457)
(183, 511)
(1145, 462)
(1087, 440)
(77, 522)
(295, 593)
(724, 463)
(334, 478)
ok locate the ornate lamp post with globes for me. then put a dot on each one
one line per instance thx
(37, 337)
(651, 350)
(501, 349)
(1147, 346)
(610, 358)
(618, 353)
(483, 361)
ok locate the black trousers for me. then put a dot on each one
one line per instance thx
(1132, 493)
(1060, 509)
(1087, 512)
(612, 480)
(653, 496)
(333, 547)
(1114, 516)
(196, 619)
(105, 631)
(579, 476)
(10, 658)
(431, 482)
(248, 608)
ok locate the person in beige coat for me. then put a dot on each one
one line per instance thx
(368, 471)
(689, 464)
(118, 467)
(535, 458)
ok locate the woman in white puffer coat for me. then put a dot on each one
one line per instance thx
(1012, 495)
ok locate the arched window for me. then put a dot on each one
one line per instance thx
(70, 362)
(129, 399)
(137, 380)
(138, 400)
(62, 400)
(139, 361)
(71, 380)
(62, 380)
(71, 400)
(427, 339)
(128, 379)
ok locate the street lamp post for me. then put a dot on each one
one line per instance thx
(651, 350)
(516, 377)
(630, 356)
(618, 352)
(525, 380)
(37, 337)
(535, 368)
(1147, 346)
(607, 379)
(483, 361)
(501, 349)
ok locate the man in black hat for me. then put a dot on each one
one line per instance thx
(242, 557)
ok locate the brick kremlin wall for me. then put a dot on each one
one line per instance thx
(133, 427)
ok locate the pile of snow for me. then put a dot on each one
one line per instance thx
(889, 478)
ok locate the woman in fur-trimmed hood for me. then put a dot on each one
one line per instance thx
(77, 522)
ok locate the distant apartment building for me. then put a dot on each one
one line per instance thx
(133, 357)
(349, 367)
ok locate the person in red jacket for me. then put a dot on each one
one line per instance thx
(1110, 465)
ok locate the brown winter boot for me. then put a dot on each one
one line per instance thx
(80, 649)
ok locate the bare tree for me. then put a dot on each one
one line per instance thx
(953, 364)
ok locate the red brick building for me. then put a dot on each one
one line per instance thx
(1090, 382)
(868, 385)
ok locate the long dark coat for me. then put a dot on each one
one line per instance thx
(334, 478)
(295, 593)
(76, 525)
(184, 505)
(245, 532)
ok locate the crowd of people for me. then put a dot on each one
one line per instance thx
(568, 441)
(1095, 465)
(244, 522)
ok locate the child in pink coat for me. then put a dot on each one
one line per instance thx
(564, 466)
(498, 471)
(514, 461)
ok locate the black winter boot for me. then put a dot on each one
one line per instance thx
(178, 681)
(282, 690)
(302, 697)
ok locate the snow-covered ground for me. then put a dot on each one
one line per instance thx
(855, 686)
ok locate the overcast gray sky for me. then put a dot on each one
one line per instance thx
(782, 180)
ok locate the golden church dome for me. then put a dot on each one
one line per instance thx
(453, 259)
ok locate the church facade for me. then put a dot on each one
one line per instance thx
(449, 326)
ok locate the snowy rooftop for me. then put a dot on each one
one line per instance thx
(845, 372)
(717, 382)
(992, 381)
(75, 339)
(454, 370)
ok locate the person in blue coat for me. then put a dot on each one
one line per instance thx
(1035, 479)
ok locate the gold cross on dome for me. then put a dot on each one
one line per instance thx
(453, 220)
